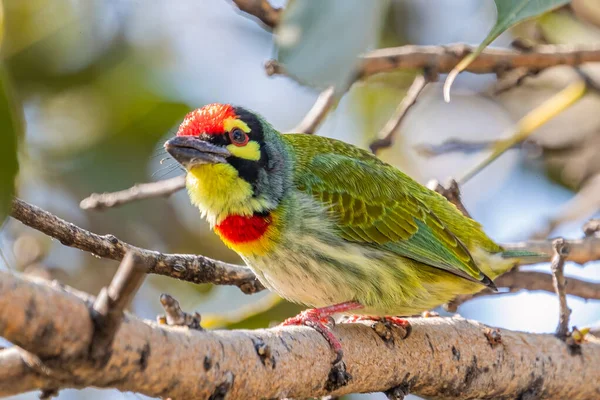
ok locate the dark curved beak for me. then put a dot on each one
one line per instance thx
(190, 151)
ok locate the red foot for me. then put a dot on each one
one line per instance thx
(316, 318)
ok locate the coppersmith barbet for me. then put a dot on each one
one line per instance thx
(327, 224)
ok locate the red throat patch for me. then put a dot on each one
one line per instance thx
(208, 119)
(238, 229)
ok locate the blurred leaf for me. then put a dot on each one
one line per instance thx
(510, 12)
(532, 121)
(319, 41)
(10, 130)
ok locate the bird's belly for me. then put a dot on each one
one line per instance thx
(318, 273)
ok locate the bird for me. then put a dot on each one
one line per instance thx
(329, 225)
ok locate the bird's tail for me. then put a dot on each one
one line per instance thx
(525, 257)
(495, 264)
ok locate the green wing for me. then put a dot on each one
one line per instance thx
(373, 202)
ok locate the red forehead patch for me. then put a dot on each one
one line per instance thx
(208, 119)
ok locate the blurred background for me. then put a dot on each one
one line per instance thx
(103, 83)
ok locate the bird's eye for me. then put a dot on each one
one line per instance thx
(238, 137)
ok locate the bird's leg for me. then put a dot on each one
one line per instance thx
(316, 319)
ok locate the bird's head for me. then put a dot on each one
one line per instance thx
(236, 161)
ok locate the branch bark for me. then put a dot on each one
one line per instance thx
(443, 59)
(443, 358)
(187, 267)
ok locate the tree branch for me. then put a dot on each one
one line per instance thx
(516, 280)
(107, 311)
(200, 269)
(561, 250)
(164, 188)
(316, 115)
(261, 9)
(443, 358)
(444, 58)
(191, 268)
(387, 134)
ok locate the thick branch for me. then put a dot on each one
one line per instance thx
(443, 358)
(192, 268)
(164, 188)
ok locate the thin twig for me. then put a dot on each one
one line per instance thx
(561, 250)
(111, 302)
(261, 9)
(175, 316)
(386, 136)
(316, 115)
(516, 281)
(164, 188)
(187, 267)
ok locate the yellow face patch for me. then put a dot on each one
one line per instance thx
(251, 151)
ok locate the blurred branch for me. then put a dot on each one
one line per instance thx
(531, 122)
(191, 268)
(584, 204)
(316, 115)
(236, 364)
(386, 136)
(459, 146)
(99, 201)
(561, 250)
(200, 269)
(444, 58)
(261, 9)
(516, 280)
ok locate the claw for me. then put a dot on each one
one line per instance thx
(317, 318)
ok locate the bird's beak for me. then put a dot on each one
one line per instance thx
(190, 151)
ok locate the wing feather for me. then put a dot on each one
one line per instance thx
(370, 205)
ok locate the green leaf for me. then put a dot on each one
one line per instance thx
(319, 41)
(10, 129)
(510, 13)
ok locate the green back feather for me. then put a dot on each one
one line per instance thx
(376, 204)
